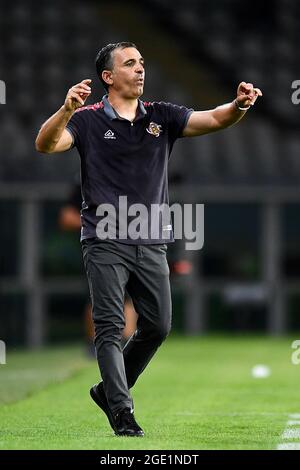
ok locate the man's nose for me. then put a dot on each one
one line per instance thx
(139, 68)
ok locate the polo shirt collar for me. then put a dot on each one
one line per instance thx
(112, 114)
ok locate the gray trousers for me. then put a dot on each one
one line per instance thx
(143, 270)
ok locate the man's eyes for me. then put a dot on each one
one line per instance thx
(132, 63)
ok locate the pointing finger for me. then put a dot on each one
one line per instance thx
(257, 91)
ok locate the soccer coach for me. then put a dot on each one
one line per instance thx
(124, 146)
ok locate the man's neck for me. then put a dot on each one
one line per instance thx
(126, 108)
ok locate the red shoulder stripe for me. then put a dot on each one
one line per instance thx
(94, 107)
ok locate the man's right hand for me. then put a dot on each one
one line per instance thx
(77, 95)
(53, 136)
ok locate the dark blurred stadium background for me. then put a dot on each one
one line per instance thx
(247, 276)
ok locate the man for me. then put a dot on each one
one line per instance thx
(124, 145)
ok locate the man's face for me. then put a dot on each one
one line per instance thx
(128, 73)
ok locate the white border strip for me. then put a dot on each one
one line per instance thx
(291, 432)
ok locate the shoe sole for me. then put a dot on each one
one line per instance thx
(103, 407)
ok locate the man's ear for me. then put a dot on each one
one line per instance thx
(107, 77)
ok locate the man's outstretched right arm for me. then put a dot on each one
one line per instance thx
(53, 136)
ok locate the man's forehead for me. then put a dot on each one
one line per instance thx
(120, 55)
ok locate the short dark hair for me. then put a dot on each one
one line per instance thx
(104, 58)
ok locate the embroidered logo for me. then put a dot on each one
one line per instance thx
(154, 129)
(109, 135)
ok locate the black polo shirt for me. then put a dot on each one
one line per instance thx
(125, 165)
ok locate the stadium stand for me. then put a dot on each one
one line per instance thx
(47, 50)
(259, 47)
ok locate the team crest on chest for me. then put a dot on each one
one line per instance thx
(154, 129)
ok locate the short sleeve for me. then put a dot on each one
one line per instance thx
(77, 126)
(177, 118)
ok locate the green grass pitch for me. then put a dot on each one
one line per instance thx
(197, 393)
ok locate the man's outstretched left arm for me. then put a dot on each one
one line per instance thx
(203, 122)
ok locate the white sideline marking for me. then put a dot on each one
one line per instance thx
(289, 446)
(291, 433)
